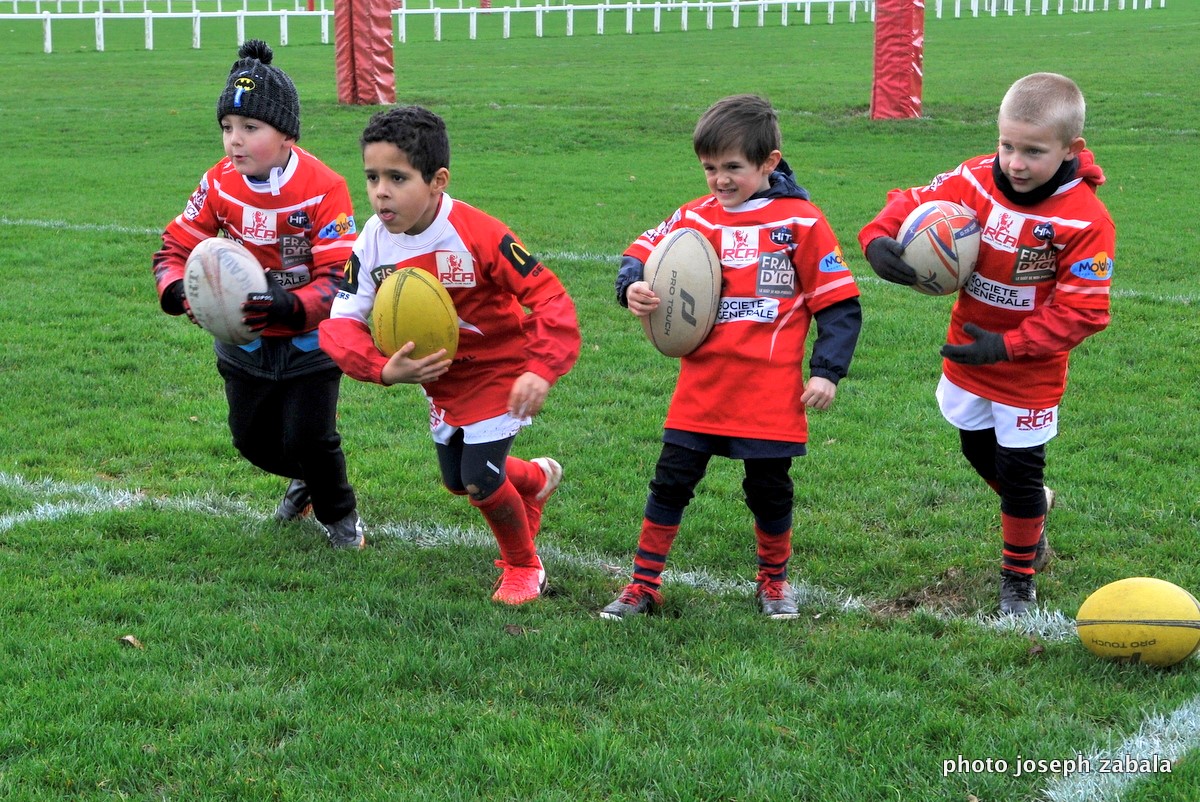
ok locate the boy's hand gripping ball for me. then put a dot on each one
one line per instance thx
(941, 242)
(219, 274)
(685, 273)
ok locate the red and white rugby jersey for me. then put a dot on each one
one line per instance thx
(300, 226)
(490, 277)
(780, 263)
(1042, 279)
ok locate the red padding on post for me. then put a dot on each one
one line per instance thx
(366, 71)
(899, 59)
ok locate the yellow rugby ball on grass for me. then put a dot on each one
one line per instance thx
(412, 305)
(1140, 620)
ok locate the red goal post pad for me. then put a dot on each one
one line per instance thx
(363, 52)
(899, 59)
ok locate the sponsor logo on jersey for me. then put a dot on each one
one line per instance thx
(1044, 231)
(297, 277)
(833, 262)
(195, 203)
(782, 236)
(1035, 419)
(294, 250)
(1098, 268)
(1034, 265)
(259, 226)
(739, 247)
(380, 272)
(455, 269)
(299, 219)
(754, 310)
(341, 227)
(776, 275)
(521, 260)
(1003, 229)
(349, 283)
(1002, 296)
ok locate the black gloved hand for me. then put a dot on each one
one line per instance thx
(175, 301)
(276, 305)
(884, 255)
(987, 349)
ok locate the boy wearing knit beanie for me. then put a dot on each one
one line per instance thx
(294, 214)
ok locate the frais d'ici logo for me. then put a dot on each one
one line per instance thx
(1003, 229)
(739, 246)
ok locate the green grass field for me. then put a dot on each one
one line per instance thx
(271, 668)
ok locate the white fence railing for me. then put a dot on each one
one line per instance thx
(682, 10)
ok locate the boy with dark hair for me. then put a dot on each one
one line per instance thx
(507, 360)
(294, 214)
(742, 393)
(1040, 287)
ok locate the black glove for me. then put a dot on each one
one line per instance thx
(987, 349)
(884, 255)
(276, 305)
(174, 301)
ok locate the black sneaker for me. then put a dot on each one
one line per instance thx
(778, 599)
(635, 599)
(347, 533)
(1042, 555)
(1017, 593)
(296, 502)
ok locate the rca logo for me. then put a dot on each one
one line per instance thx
(739, 246)
(1003, 229)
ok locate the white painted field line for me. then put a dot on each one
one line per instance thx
(550, 257)
(1161, 738)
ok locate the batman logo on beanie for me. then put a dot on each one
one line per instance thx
(259, 91)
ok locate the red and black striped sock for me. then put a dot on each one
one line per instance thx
(1021, 536)
(654, 543)
(774, 551)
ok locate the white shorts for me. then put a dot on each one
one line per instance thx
(501, 427)
(1016, 427)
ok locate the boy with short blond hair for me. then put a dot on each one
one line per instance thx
(1041, 286)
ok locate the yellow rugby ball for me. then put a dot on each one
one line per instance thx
(412, 305)
(1140, 620)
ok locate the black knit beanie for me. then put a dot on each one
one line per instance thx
(259, 91)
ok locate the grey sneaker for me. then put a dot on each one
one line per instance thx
(1017, 593)
(296, 502)
(778, 599)
(635, 599)
(347, 533)
(1042, 555)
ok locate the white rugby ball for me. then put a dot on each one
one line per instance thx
(941, 242)
(220, 273)
(685, 273)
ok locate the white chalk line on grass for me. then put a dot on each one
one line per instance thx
(1160, 739)
(570, 257)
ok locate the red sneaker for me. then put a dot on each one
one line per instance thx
(517, 584)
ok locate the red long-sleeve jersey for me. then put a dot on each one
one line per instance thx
(300, 226)
(491, 279)
(1042, 279)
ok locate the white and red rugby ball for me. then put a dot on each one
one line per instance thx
(941, 242)
(411, 305)
(220, 273)
(684, 271)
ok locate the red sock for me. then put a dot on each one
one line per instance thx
(1021, 536)
(774, 551)
(654, 543)
(505, 514)
(527, 477)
